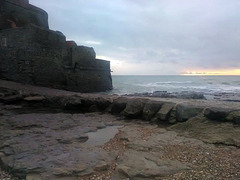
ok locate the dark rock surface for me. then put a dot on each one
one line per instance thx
(164, 112)
(209, 131)
(234, 117)
(49, 134)
(218, 114)
(153, 153)
(51, 145)
(118, 105)
(138, 164)
(185, 112)
(54, 146)
(134, 108)
(150, 109)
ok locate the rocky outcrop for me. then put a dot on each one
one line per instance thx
(150, 109)
(218, 114)
(33, 54)
(134, 108)
(137, 164)
(185, 112)
(164, 113)
(118, 105)
(225, 133)
(45, 135)
(51, 146)
(234, 116)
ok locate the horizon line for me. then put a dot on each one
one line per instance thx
(174, 75)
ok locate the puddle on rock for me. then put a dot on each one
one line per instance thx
(102, 136)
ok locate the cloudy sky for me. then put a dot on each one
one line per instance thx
(153, 37)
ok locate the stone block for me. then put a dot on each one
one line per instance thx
(150, 109)
(134, 108)
(185, 112)
(164, 113)
(118, 105)
(234, 117)
(217, 114)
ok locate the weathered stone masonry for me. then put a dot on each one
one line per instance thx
(31, 53)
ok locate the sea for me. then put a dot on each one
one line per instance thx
(202, 84)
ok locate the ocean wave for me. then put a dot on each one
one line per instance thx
(175, 82)
(236, 82)
(164, 82)
(178, 84)
(205, 88)
(225, 83)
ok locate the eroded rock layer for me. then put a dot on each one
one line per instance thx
(44, 134)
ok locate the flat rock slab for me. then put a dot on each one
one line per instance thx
(138, 164)
(158, 110)
(43, 91)
(224, 133)
(52, 145)
(38, 142)
(153, 152)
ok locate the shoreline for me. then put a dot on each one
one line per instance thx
(224, 96)
(220, 88)
(159, 129)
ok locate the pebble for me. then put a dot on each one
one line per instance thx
(5, 176)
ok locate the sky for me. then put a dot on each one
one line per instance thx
(153, 37)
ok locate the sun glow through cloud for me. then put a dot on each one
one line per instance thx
(233, 72)
(190, 38)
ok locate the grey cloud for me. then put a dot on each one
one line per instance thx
(204, 34)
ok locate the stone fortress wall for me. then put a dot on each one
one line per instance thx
(21, 13)
(31, 53)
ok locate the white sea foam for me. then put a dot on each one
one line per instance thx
(154, 84)
(139, 84)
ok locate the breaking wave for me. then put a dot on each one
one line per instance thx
(163, 83)
(209, 85)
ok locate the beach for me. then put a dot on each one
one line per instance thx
(48, 133)
(119, 90)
